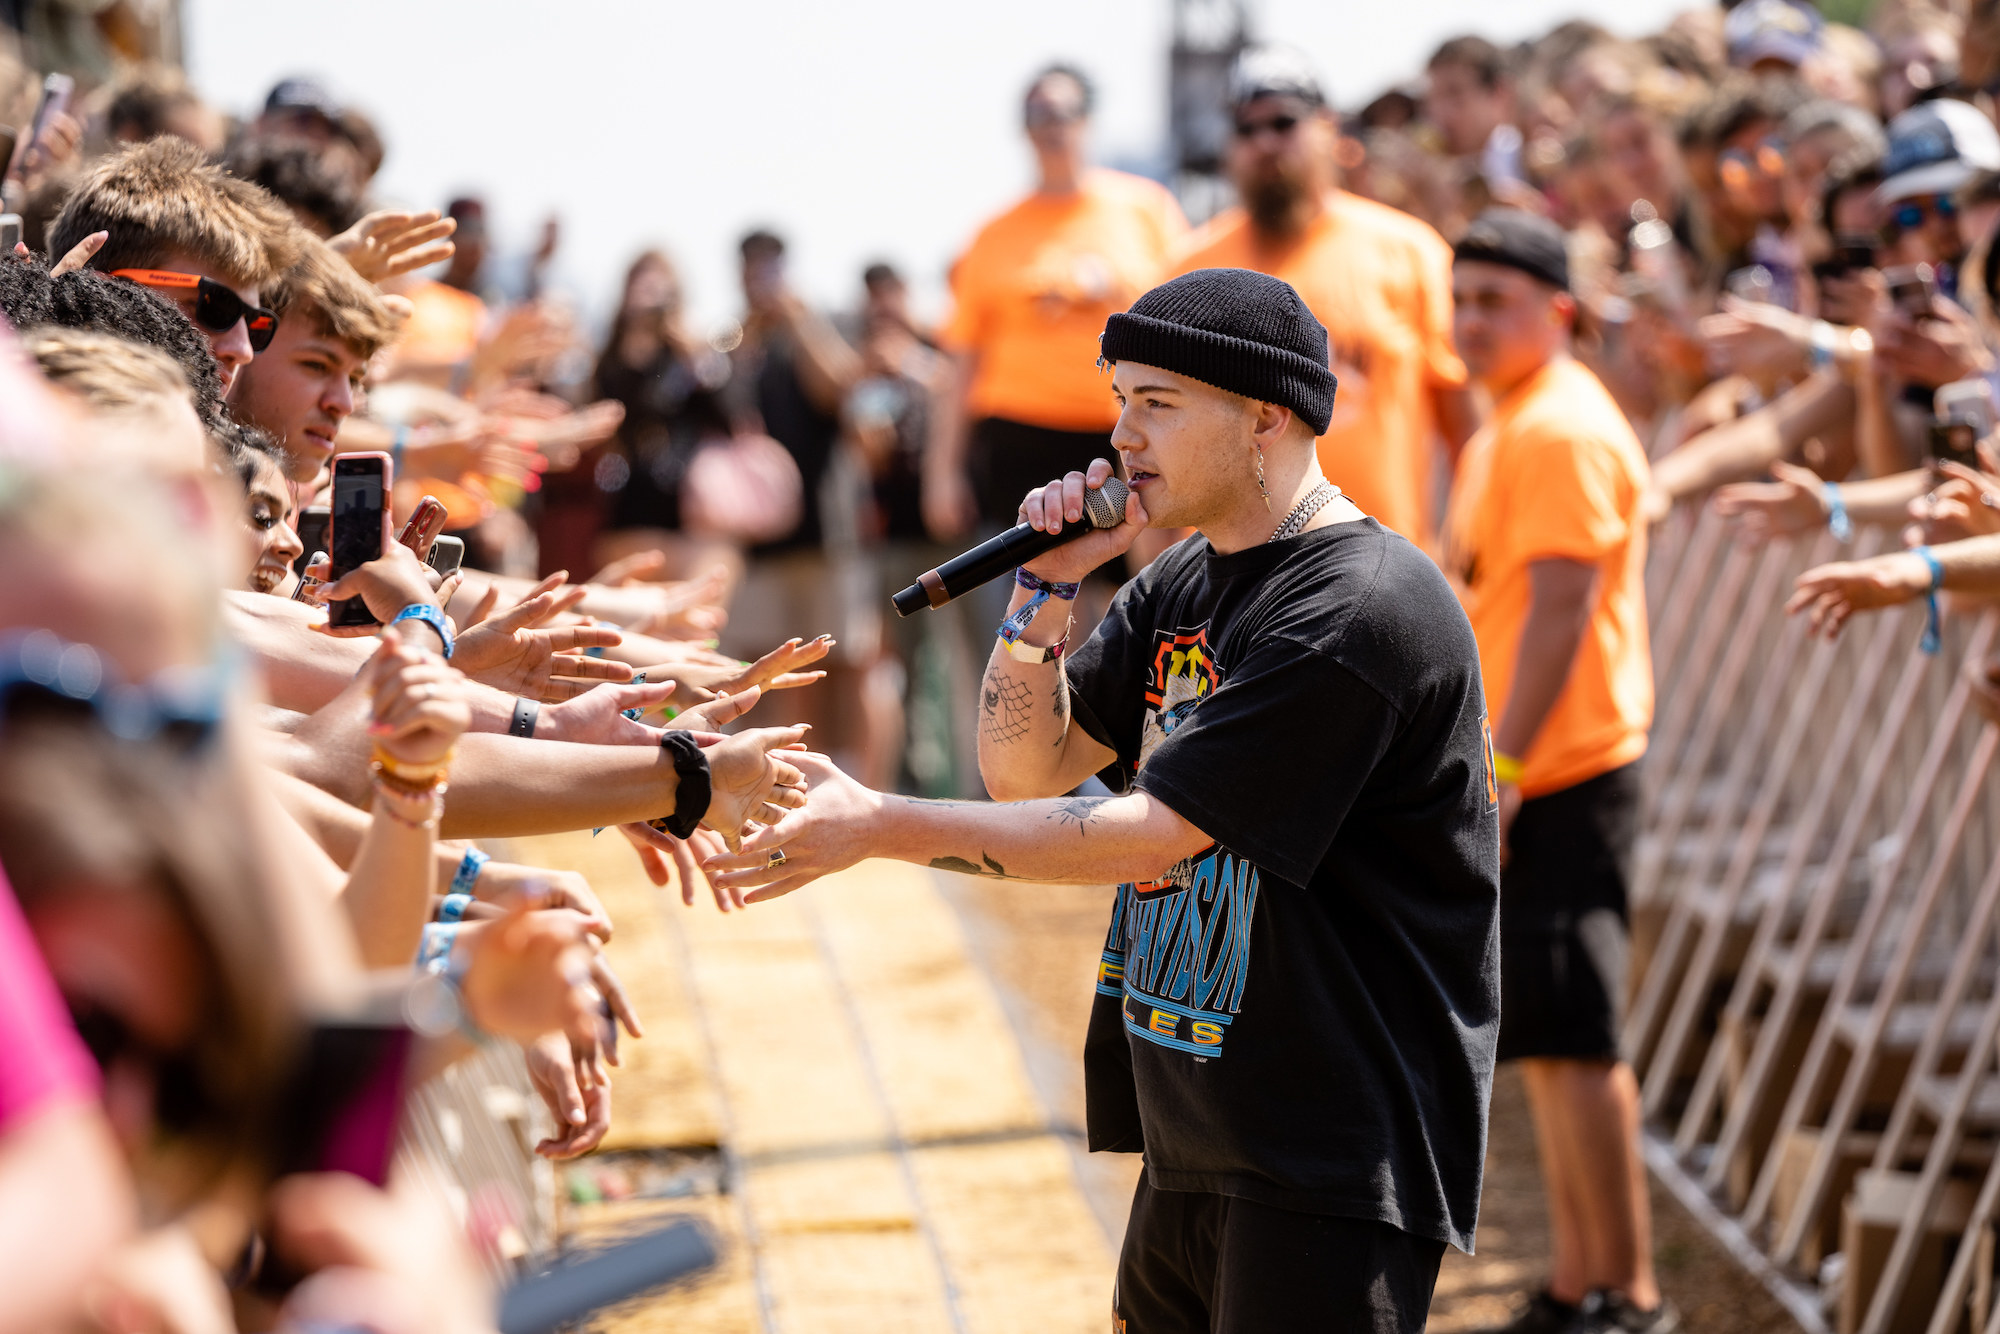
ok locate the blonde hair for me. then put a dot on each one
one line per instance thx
(324, 287)
(164, 196)
(109, 373)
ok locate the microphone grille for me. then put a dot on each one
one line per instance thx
(1105, 507)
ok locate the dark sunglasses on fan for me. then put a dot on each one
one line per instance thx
(40, 669)
(216, 308)
(1912, 213)
(1281, 125)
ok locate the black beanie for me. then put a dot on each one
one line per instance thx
(1245, 332)
(1519, 240)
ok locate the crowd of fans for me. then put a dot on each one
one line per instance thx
(222, 821)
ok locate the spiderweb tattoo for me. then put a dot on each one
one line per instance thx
(1004, 709)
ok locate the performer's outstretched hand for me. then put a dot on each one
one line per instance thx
(1062, 502)
(830, 833)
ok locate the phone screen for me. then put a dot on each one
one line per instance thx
(1954, 441)
(312, 535)
(360, 490)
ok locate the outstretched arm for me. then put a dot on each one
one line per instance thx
(1063, 840)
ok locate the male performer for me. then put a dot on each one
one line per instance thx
(1297, 1003)
(1545, 533)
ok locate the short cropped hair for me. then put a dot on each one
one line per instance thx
(163, 196)
(324, 288)
(1063, 70)
(112, 374)
(93, 303)
(761, 244)
(1484, 59)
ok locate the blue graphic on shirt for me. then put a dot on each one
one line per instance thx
(1178, 951)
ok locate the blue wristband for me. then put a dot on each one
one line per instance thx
(431, 616)
(1837, 521)
(434, 954)
(1933, 623)
(453, 908)
(396, 444)
(1015, 625)
(469, 866)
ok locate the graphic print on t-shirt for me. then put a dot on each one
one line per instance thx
(1178, 950)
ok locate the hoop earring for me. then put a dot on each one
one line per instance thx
(1260, 480)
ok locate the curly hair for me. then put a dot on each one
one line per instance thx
(91, 301)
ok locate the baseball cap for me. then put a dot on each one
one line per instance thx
(301, 94)
(1935, 147)
(1520, 240)
(1783, 30)
(1274, 71)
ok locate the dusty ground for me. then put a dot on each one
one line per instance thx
(1042, 946)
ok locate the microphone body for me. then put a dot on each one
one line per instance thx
(1103, 508)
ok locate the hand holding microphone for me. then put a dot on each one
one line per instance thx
(1068, 528)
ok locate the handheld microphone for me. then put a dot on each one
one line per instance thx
(1102, 508)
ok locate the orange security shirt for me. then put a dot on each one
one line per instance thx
(1033, 290)
(1380, 281)
(1558, 472)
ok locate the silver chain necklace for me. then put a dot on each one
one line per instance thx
(1302, 513)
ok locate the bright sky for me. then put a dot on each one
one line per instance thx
(870, 129)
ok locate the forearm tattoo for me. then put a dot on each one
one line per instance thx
(1078, 811)
(1061, 701)
(1004, 705)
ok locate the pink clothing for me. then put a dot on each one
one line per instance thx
(42, 1060)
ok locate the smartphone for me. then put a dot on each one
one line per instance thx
(1852, 252)
(1912, 287)
(1753, 282)
(1954, 442)
(1967, 401)
(312, 536)
(10, 232)
(56, 92)
(341, 1107)
(425, 523)
(306, 582)
(358, 528)
(544, 1303)
(447, 554)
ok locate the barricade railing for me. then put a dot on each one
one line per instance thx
(468, 1138)
(1815, 1014)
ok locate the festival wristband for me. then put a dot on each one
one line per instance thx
(1933, 622)
(1837, 521)
(692, 789)
(1016, 624)
(469, 866)
(453, 908)
(1506, 769)
(522, 724)
(397, 444)
(434, 954)
(430, 615)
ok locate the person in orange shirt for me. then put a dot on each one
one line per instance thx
(1546, 539)
(1378, 279)
(1025, 401)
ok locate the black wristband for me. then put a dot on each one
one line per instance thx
(691, 793)
(526, 713)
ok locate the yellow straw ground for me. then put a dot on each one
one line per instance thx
(893, 1169)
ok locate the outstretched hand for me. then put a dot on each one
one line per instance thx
(1794, 501)
(828, 833)
(391, 242)
(1831, 594)
(750, 779)
(511, 653)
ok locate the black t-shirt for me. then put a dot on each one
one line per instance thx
(1305, 1013)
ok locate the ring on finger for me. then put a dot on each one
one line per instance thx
(775, 860)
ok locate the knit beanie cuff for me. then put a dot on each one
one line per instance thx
(1254, 370)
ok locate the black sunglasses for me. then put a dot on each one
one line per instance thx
(216, 308)
(1250, 129)
(184, 704)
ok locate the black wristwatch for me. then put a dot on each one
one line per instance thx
(691, 793)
